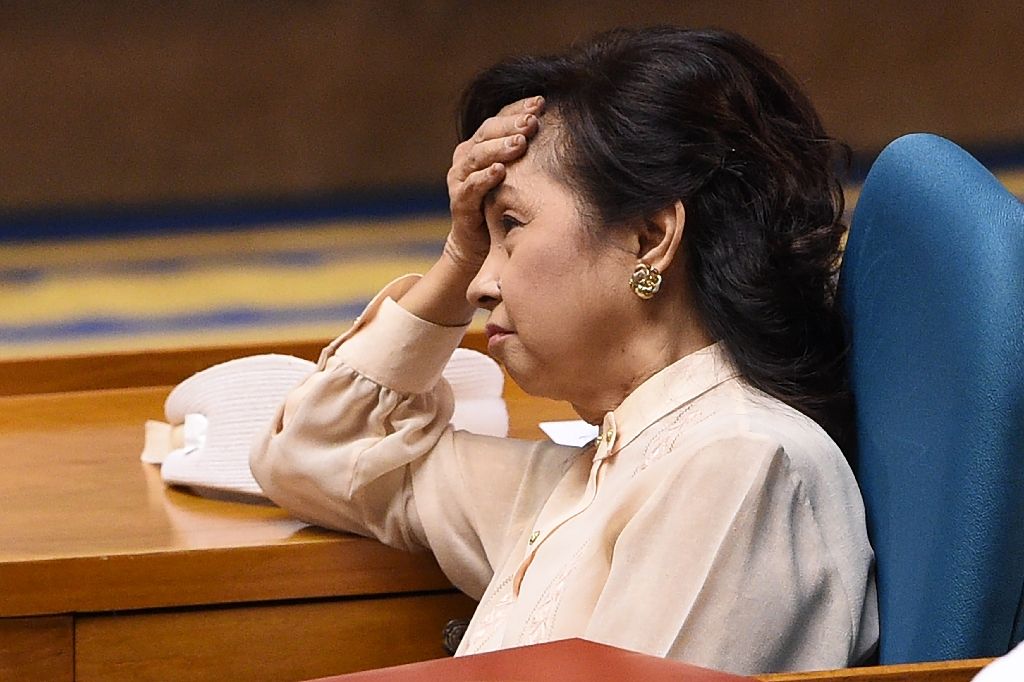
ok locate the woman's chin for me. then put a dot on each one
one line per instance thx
(524, 369)
(536, 383)
(514, 366)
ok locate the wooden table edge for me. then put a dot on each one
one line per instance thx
(207, 576)
(933, 671)
(130, 369)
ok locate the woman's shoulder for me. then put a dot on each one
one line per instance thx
(737, 415)
(746, 430)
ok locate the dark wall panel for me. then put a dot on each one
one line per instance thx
(139, 103)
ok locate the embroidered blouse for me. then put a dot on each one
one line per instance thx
(709, 523)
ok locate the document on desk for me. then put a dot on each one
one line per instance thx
(574, 433)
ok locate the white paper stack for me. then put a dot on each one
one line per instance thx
(222, 410)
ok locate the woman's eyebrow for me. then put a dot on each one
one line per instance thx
(504, 193)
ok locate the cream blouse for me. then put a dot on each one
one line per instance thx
(709, 523)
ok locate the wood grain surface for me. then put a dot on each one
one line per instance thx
(278, 642)
(37, 649)
(147, 103)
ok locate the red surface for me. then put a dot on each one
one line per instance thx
(564, 661)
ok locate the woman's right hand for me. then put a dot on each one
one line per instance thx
(478, 166)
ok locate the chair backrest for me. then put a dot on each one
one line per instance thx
(932, 286)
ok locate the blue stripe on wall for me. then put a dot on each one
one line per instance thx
(180, 264)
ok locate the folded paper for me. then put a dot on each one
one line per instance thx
(214, 416)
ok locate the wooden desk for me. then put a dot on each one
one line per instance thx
(105, 574)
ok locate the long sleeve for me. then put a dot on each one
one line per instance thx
(364, 445)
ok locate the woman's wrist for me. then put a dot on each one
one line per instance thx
(462, 258)
(439, 296)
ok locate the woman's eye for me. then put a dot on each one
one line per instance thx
(508, 223)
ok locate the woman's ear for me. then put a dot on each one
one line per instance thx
(662, 232)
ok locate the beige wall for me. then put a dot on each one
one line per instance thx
(117, 102)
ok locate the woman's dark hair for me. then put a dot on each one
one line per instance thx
(651, 116)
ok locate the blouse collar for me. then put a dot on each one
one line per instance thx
(662, 393)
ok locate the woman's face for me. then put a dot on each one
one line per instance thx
(555, 293)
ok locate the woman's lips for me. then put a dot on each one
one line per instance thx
(496, 334)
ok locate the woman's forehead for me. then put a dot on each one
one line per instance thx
(543, 157)
(531, 179)
(549, 142)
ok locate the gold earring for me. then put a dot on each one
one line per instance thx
(645, 281)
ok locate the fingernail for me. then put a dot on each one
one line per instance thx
(514, 141)
(522, 121)
(536, 101)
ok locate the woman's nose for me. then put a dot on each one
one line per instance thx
(485, 289)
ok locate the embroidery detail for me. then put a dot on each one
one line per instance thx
(498, 604)
(542, 619)
(674, 427)
(662, 441)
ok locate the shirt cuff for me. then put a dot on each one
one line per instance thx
(392, 347)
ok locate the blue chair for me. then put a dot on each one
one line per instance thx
(932, 286)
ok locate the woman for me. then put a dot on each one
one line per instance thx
(653, 223)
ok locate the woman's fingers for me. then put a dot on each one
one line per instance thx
(468, 241)
(500, 138)
(478, 156)
(533, 104)
(518, 116)
(469, 193)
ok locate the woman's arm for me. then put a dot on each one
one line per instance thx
(364, 445)
(342, 449)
